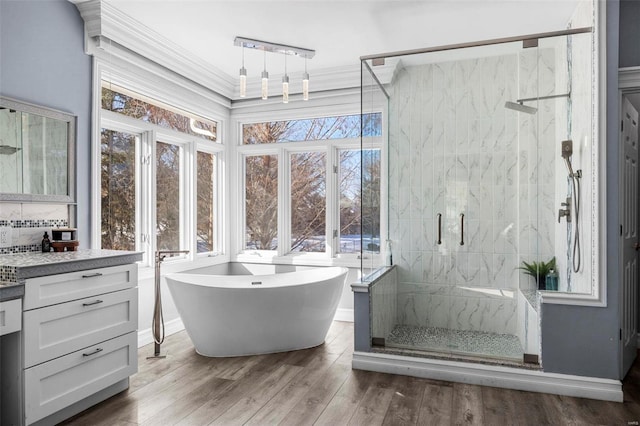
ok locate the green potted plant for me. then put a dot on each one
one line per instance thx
(539, 270)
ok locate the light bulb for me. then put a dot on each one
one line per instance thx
(305, 86)
(265, 84)
(243, 82)
(285, 89)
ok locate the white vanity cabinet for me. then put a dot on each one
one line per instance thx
(79, 336)
(71, 341)
(10, 316)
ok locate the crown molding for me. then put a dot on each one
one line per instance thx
(104, 23)
(103, 20)
(629, 77)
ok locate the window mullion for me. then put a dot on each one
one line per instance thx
(331, 201)
(188, 207)
(144, 175)
(284, 202)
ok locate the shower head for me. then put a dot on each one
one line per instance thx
(520, 107)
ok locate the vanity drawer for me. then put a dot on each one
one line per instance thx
(52, 289)
(56, 384)
(10, 316)
(59, 329)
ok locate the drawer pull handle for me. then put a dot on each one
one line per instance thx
(92, 353)
(92, 303)
(97, 274)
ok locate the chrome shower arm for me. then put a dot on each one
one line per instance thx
(541, 98)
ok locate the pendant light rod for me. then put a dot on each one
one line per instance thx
(285, 83)
(243, 78)
(268, 46)
(265, 79)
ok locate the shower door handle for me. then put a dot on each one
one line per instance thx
(439, 228)
(461, 229)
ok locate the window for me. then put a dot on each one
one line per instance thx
(302, 186)
(261, 202)
(205, 193)
(313, 129)
(118, 189)
(150, 149)
(132, 105)
(370, 199)
(308, 202)
(168, 196)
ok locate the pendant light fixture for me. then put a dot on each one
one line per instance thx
(243, 78)
(305, 82)
(265, 78)
(284, 49)
(285, 83)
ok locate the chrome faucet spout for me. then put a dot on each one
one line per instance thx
(162, 254)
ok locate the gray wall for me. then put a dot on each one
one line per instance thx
(42, 61)
(629, 33)
(581, 340)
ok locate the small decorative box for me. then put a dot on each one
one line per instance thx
(64, 234)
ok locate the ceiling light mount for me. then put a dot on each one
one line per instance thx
(268, 46)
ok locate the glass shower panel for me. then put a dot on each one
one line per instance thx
(565, 162)
(453, 197)
(478, 169)
(372, 245)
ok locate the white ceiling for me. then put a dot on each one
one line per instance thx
(339, 31)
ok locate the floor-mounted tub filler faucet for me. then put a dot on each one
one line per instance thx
(157, 324)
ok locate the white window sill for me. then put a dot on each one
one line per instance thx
(302, 260)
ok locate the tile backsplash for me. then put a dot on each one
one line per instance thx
(28, 222)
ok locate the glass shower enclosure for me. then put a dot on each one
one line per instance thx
(475, 184)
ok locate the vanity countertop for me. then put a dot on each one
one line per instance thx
(15, 268)
(10, 290)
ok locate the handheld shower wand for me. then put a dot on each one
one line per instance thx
(566, 153)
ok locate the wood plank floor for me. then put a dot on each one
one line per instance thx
(318, 387)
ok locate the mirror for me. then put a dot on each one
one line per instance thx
(37, 146)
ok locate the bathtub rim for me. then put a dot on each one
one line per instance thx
(267, 281)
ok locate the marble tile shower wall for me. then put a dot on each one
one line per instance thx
(29, 222)
(454, 149)
(539, 151)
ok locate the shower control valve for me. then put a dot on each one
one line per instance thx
(566, 212)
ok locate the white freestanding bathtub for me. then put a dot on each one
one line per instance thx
(235, 315)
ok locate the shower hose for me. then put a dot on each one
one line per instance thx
(575, 182)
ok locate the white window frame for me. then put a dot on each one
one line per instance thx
(219, 191)
(266, 149)
(283, 150)
(130, 78)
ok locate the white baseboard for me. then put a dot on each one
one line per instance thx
(490, 375)
(343, 314)
(145, 336)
